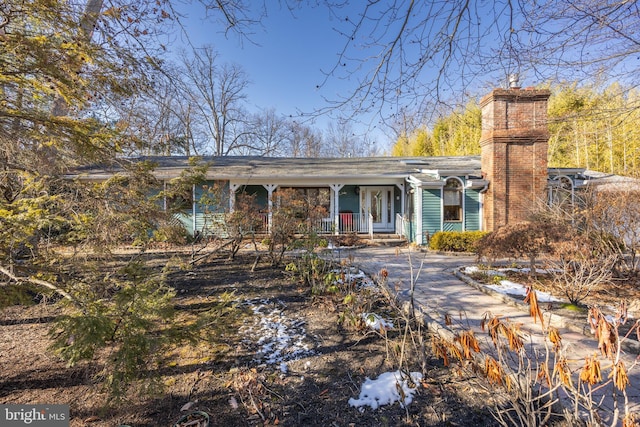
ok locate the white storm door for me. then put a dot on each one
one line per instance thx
(378, 201)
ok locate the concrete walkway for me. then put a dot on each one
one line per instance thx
(438, 292)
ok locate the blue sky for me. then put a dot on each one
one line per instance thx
(286, 65)
(294, 50)
(420, 76)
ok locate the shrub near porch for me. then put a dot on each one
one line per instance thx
(455, 241)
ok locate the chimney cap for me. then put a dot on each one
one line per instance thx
(514, 81)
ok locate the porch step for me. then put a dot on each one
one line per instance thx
(384, 240)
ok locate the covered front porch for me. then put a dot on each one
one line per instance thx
(360, 208)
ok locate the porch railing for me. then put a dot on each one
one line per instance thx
(348, 223)
(265, 222)
(401, 225)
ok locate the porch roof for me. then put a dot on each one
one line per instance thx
(262, 169)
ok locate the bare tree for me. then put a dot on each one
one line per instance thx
(577, 273)
(612, 216)
(303, 141)
(237, 16)
(266, 135)
(342, 141)
(418, 53)
(527, 240)
(424, 54)
(217, 91)
(161, 120)
(421, 54)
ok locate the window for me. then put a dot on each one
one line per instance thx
(453, 200)
(561, 191)
(306, 202)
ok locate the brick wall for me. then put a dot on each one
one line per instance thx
(514, 153)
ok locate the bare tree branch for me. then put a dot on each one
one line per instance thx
(425, 54)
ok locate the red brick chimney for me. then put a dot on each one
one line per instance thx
(514, 153)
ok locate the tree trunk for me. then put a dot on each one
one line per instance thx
(87, 25)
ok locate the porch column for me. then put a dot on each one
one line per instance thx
(402, 198)
(419, 212)
(270, 189)
(165, 205)
(194, 208)
(336, 209)
(232, 196)
(400, 228)
(441, 209)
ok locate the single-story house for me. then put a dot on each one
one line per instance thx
(413, 197)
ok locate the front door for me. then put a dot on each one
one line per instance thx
(378, 201)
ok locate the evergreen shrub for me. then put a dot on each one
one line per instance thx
(455, 241)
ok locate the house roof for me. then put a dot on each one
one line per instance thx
(610, 182)
(263, 169)
(423, 171)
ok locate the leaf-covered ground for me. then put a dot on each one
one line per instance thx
(276, 355)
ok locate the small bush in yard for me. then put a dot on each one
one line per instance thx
(455, 241)
(171, 234)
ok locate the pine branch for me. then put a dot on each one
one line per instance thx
(38, 282)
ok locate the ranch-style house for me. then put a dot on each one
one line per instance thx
(412, 197)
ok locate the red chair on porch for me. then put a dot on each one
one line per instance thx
(346, 221)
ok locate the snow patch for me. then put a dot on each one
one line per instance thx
(508, 287)
(355, 276)
(475, 269)
(376, 323)
(388, 388)
(280, 339)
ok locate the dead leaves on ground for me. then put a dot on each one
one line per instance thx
(250, 386)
